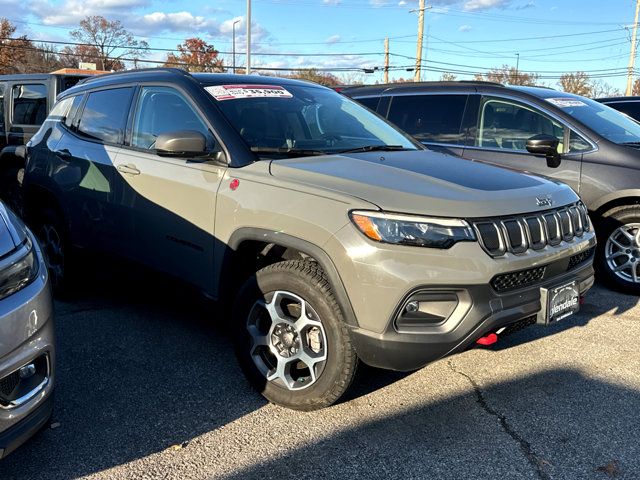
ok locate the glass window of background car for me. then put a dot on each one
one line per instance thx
(163, 110)
(2, 86)
(312, 118)
(71, 114)
(29, 104)
(104, 116)
(371, 102)
(507, 125)
(628, 108)
(430, 118)
(604, 120)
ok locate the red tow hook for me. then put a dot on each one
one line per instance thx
(487, 340)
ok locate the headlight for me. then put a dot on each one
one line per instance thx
(412, 230)
(18, 274)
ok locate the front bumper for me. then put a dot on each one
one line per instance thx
(487, 312)
(27, 334)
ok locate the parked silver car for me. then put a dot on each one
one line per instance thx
(27, 351)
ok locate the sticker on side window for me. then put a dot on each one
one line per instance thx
(233, 92)
(566, 102)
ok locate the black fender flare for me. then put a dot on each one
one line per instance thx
(267, 236)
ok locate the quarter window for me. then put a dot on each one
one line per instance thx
(162, 110)
(104, 116)
(430, 118)
(29, 104)
(507, 125)
(71, 115)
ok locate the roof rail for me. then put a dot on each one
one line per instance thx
(135, 71)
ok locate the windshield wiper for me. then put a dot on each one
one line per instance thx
(289, 152)
(375, 148)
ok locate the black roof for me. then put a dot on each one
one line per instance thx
(176, 74)
(475, 86)
(618, 99)
(38, 76)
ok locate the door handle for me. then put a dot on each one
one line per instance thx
(63, 154)
(129, 169)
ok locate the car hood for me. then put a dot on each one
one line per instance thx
(12, 232)
(428, 183)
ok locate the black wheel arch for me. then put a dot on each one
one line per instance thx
(232, 258)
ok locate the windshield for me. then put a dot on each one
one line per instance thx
(305, 120)
(611, 124)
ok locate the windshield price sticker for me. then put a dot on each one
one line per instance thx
(566, 102)
(234, 92)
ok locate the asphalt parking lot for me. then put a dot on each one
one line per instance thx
(148, 387)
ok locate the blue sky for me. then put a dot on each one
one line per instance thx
(460, 35)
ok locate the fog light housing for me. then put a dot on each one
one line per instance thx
(426, 309)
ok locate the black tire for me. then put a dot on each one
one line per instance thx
(611, 221)
(306, 280)
(60, 256)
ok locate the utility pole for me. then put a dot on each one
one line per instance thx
(386, 60)
(421, 9)
(233, 27)
(248, 69)
(632, 56)
(517, 66)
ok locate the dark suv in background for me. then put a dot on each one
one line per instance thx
(591, 147)
(25, 101)
(627, 105)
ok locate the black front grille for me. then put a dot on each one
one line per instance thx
(9, 383)
(514, 280)
(533, 231)
(581, 257)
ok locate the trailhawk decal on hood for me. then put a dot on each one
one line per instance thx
(234, 92)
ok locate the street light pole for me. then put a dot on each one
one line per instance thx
(248, 69)
(233, 27)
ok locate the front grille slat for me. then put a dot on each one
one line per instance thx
(534, 231)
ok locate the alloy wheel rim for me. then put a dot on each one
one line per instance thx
(288, 343)
(622, 252)
(53, 253)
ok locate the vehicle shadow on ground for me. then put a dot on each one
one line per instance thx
(142, 366)
(553, 424)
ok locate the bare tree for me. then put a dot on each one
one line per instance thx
(15, 53)
(601, 89)
(578, 83)
(508, 76)
(448, 77)
(111, 40)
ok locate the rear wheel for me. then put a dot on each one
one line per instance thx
(59, 256)
(618, 258)
(291, 340)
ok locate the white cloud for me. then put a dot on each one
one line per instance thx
(177, 21)
(331, 2)
(402, 3)
(70, 12)
(475, 5)
(464, 28)
(333, 39)
(378, 3)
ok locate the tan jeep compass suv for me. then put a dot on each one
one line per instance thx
(338, 238)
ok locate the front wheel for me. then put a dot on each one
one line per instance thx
(618, 258)
(291, 339)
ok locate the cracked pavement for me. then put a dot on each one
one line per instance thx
(148, 388)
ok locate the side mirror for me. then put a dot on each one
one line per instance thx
(181, 143)
(546, 145)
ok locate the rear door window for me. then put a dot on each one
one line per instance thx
(430, 118)
(29, 104)
(105, 113)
